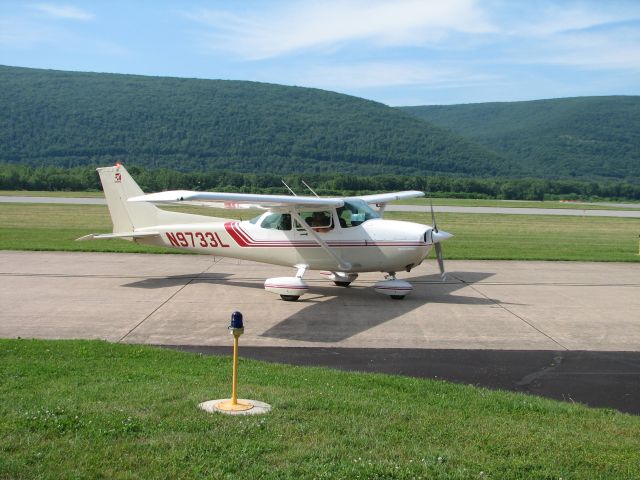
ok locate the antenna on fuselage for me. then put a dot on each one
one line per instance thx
(288, 188)
(310, 189)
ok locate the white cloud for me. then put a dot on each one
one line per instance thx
(387, 74)
(595, 50)
(560, 19)
(66, 12)
(18, 33)
(329, 25)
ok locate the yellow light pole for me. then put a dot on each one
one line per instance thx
(233, 405)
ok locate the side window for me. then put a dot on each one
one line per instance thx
(319, 221)
(344, 217)
(277, 221)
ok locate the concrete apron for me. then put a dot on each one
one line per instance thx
(187, 300)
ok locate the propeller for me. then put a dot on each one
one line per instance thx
(433, 217)
(443, 275)
(436, 238)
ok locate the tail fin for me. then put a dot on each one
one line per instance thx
(118, 186)
(128, 217)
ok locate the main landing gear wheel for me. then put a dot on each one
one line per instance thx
(290, 298)
(393, 288)
(289, 288)
(342, 284)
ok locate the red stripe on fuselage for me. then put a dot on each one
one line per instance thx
(244, 239)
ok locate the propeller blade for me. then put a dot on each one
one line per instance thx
(433, 217)
(438, 248)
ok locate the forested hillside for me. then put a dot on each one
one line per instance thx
(597, 137)
(71, 119)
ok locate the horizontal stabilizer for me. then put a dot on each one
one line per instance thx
(105, 236)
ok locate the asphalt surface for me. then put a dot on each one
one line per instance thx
(596, 379)
(390, 208)
(568, 330)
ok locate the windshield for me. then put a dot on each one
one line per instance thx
(355, 212)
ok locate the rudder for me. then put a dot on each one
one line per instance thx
(118, 186)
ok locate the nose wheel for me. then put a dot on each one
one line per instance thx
(340, 279)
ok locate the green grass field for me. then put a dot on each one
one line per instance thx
(87, 409)
(506, 237)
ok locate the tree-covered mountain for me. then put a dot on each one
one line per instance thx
(587, 137)
(69, 119)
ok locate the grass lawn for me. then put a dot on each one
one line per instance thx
(88, 409)
(535, 237)
(477, 236)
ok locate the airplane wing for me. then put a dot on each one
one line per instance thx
(390, 197)
(237, 200)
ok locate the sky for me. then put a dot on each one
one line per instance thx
(403, 52)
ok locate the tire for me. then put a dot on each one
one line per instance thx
(290, 298)
(397, 297)
(342, 284)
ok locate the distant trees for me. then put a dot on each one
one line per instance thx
(24, 177)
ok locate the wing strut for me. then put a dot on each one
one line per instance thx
(345, 266)
(288, 187)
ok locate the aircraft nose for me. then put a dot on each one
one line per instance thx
(440, 236)
(431, 236)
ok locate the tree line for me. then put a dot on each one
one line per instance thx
(24, 177)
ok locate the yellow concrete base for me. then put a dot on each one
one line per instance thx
(243, 407)
(229, 406)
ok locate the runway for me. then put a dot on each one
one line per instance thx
(573, 212)
(529, 321)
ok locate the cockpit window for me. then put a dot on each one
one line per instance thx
(355, 212)
(277, 221)
(319, 221)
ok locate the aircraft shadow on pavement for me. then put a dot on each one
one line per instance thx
(358, 308)
(332, 314)
(177, 280)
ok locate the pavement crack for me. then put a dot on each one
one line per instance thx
(528, 379)
(191, 280)
(500, 305)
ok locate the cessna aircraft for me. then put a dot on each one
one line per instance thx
(340, 236)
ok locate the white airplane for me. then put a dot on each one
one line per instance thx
(340, 236)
